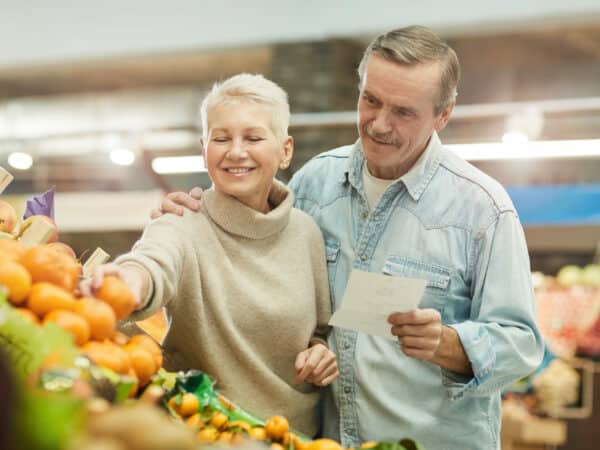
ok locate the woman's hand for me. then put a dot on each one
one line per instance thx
(133, 278)
(316, 365)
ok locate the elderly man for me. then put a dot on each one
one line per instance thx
(397, 202)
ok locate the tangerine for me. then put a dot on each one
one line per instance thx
(71, 322)
(99, 315)
(257, 433)
(11, 250)
(324, 444)
(109, 355)
(16, 279)
(46, 263)
(115, 292)
(149, 344)
(218, 420)
(142, 363)
(276, 427)
(45, 297)
(195, 421)
(208, 434)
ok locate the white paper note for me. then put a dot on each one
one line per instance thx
(371, 297)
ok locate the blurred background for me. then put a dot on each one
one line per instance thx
(92, 94)
(100, 101)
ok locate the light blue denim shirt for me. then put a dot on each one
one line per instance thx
(446, 222)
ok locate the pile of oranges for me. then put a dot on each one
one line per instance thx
(41, 283)
(215, 427)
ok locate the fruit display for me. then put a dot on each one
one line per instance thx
(568, 305)
(84, 385)
(215, 420)
(41, 284)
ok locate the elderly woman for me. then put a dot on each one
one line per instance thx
(243, 280)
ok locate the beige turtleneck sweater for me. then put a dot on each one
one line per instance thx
(245, 292)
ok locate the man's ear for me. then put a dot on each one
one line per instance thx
(443, 117)
(288, 152)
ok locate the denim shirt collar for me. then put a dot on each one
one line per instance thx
(416, 179)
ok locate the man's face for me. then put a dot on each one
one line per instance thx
(396, 114)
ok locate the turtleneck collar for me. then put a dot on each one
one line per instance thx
(241, 220)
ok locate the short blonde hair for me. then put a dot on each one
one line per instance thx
(417, 45)
(249, 88)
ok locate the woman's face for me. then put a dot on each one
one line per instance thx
(242, 153)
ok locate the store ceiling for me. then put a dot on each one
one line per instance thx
(542, 63)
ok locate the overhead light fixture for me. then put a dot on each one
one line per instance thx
(20, 160)
(581, 148)
(525, 125)
(122, 156)
(178, 164)
(514, 137)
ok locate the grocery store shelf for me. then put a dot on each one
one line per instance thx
(99, 211)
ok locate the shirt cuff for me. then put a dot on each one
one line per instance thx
(317, 340)
(480, 352)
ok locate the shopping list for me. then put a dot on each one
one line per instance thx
(371, 297)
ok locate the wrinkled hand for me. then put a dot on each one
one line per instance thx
(316, 365)
(173, 202)
(419, 332)
(89, 286)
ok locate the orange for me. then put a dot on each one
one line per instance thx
(149, 344)
(218, 420)
(46, 263)
(324, 444)
(276, 427)
(28, 315)
(288, 438)
(116, 293)
(109, 355)
(237, 439)
(142, 364)
(99, 315)
(12, 250)
(118, 337)
(276, 446)
(195, 421)
(15, 278)
(71, 322)
(208, 434)
(225, 437)
(45, 297)
(257, 433)
(186, 405)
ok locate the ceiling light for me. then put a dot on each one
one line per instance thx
(514, 137)
(122, 156)
(528, 150)
(178, 164)
(20, 160)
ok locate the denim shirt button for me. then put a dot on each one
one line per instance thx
(364, 214)
(363, 257)
(347, 389)
(346, 345)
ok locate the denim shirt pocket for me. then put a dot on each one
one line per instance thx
(438, 279)
(332, 250)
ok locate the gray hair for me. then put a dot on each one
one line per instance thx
(249, 88)
(416, 45)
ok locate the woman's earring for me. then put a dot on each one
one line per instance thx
(284, 165)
